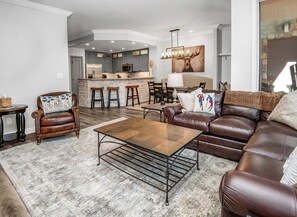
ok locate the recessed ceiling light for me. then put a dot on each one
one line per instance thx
(190, 31)
(145, 45)
(133, 42)
(110, 50)
(111, 41)
(87, 44)
(123, 48)
(173, 34)
(93, 48)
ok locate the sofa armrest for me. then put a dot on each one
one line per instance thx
(75, 111)
(245, 194)
(171, 111)
(37, 115)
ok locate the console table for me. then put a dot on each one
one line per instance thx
(19, 111)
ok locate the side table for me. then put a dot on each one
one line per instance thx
(18, 110)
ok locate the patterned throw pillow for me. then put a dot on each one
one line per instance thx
(204, 102)
(286, 110)
(290, 169)
(51, 104)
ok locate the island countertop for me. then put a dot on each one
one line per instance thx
(85, 85)
(112, 79)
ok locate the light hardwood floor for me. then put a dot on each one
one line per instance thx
(91, 117)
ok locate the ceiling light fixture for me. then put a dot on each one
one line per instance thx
(111, 41)
(133, 42)
(93, 48)
(175, 51)
(110, 50)
(87, 44)
(191, 31)
(123, 48)
(146, 45)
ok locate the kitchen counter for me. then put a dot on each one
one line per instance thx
(85, 85)
(107, 79)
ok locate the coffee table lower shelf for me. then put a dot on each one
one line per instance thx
(155, 170)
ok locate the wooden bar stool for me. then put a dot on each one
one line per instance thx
(101, 99)
(114, 99)
(133, 96)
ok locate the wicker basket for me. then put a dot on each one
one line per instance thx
(5, 102)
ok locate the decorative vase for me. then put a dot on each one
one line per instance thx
(151, 72)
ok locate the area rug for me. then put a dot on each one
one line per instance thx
(60, 178)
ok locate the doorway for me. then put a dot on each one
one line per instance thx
(76, 72)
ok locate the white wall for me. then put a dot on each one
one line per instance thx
(33, 49)
(245, 45)
(226, 48)
(206, 38)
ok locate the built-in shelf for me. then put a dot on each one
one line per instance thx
(224, 55)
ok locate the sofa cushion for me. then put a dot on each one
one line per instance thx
(262, 166)
(275, 127)
(199, 121)
(241, 111)
(273, 145)
(234, 127)
(57, 119)
(290, 169)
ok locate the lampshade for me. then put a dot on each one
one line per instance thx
(175, 80)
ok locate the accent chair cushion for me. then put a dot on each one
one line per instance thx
(57, 119)
(286, 110)
(51, 104)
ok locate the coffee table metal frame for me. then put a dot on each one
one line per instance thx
(180, 165)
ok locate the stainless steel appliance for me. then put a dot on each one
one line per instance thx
(94, 70)
(127, 67)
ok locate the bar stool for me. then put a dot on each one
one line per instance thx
(114, 99)
(132, 87)
(101, 99)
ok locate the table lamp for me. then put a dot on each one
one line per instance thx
(175, 80)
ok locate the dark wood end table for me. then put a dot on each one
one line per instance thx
(18, 110)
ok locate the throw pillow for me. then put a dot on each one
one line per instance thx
(290, 169)
(286, 110)
(187, 101)
(51, 104)
(289, 159)
(204, 102)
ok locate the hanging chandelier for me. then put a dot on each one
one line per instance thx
(175, 51)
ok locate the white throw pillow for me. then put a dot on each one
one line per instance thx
(290, 169)
(289, 159)
(187, 101)
(205, 102)
(286, 110)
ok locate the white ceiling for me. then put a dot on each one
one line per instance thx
(106, 46)
(153, 17)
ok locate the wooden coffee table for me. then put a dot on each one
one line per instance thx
(150, 151)
(156, 108)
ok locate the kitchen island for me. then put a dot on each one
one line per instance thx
(85, 85)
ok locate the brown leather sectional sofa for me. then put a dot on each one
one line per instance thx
(261, 147)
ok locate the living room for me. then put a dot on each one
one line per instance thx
(227, 163)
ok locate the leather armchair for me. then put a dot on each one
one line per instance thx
(56, 124)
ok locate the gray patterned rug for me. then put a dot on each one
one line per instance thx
(60, 178)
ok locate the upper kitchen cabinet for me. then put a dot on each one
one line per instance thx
(140, 60)
(117, 62)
